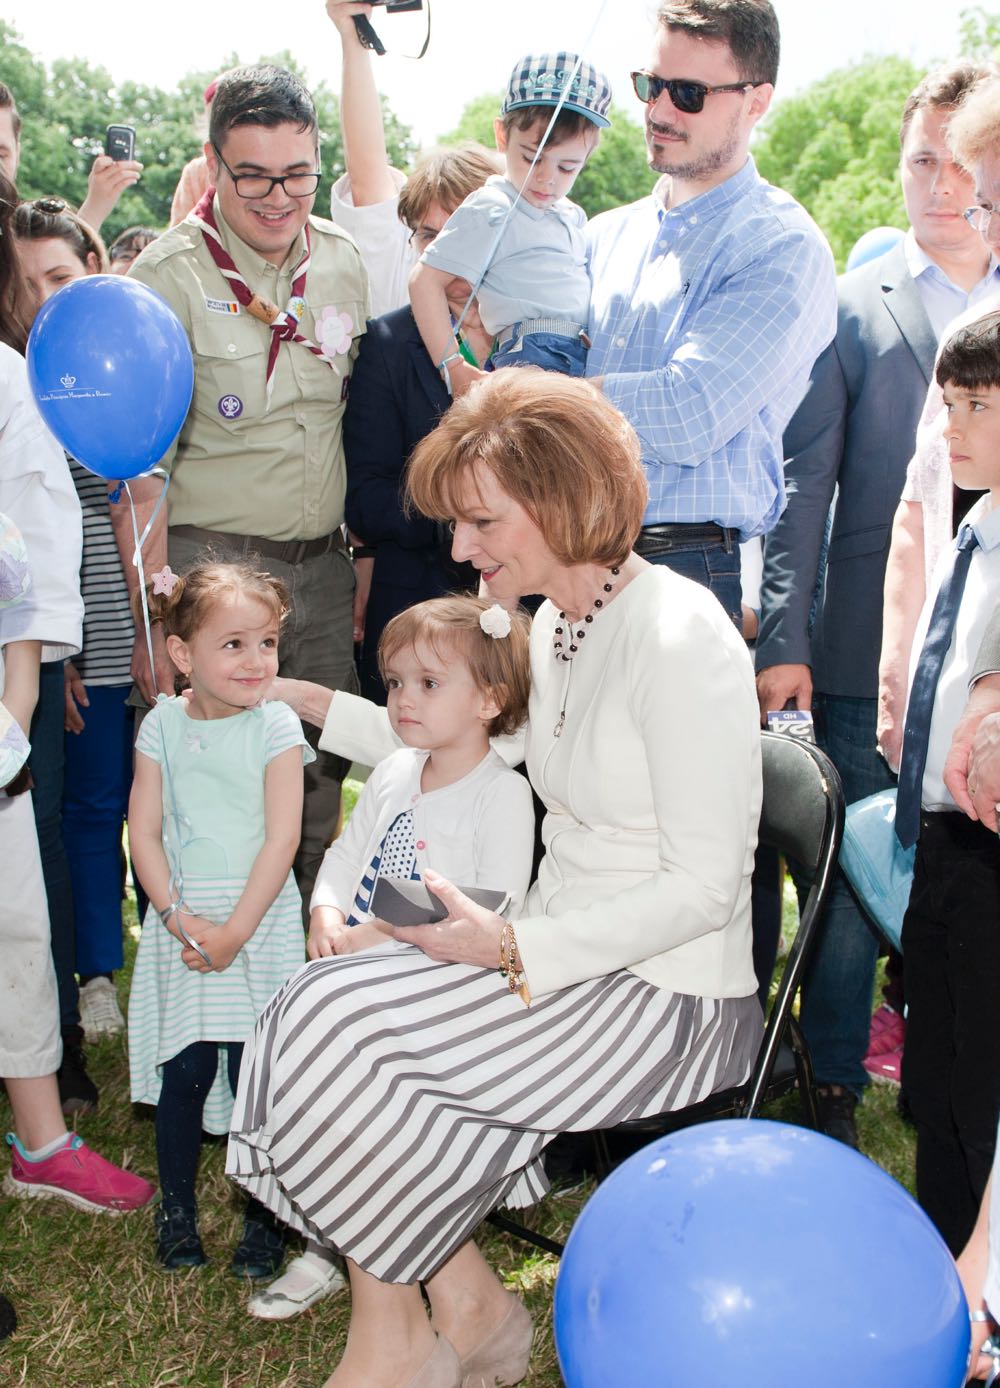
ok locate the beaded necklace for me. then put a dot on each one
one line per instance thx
(565, 629)
(574, 636)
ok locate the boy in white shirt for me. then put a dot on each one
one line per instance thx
(951, 936)
(535, 293)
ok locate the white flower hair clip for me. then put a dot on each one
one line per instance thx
(495, 621)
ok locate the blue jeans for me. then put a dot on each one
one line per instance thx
(550, 351)
(837, 989)
(95, 803)
(46, 762)
(715, 568)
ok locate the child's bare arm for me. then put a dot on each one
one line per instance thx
(433, 319)
(283, 792)
(21, 666)
(145, 836)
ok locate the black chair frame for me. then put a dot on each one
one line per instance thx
(802, 817)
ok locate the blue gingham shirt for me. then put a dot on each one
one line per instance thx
(705, 322)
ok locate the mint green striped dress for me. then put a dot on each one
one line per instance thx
(213, 825)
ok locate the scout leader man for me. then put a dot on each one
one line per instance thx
(274, 301)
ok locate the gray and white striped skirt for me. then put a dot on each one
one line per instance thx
(388, 1103)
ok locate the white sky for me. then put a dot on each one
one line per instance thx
(474, 43)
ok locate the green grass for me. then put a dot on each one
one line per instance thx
(95, 1311)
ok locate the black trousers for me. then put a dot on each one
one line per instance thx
(951, 1061)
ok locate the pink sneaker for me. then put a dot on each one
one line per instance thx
(887, 1068)
(78, 1174)
(888, 1032)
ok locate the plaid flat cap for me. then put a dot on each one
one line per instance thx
(540, 79)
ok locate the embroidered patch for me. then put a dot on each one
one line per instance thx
(333, 331)
(222, 306)
(230, 407)
(296, 308)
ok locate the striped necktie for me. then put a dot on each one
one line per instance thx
(916, 733)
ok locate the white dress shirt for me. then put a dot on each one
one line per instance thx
(979, 601)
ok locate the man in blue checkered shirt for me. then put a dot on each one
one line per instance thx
(712, 298)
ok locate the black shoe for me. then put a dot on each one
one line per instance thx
(8, 1318)
(177, 1241)
(78, 1093)
(261, 1250)
(836, 1114)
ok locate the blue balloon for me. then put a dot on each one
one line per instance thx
(759, 1254)
(111, 372)
(872, 244)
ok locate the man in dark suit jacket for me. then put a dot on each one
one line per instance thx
(854, 431)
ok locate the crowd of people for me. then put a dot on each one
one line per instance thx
(469, 483)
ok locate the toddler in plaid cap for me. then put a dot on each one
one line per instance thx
(535, 294)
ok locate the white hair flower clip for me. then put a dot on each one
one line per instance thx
(495, 621)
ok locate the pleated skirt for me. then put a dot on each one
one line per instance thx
(388, 1103)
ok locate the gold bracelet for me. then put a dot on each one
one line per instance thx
(511, 959)
(516, 981)
(504, 949)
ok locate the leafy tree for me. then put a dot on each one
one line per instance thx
(980, 33)
(67, 110)
(835, 147)
(617, 172)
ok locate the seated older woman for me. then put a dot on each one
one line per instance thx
(391, 1099)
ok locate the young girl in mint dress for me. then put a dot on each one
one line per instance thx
(214, 822)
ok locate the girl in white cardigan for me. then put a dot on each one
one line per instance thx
(456, 671)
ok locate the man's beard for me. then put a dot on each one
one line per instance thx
(692, 170)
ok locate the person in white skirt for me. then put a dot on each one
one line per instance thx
(389, 1101)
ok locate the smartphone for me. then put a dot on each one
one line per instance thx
(119, 142)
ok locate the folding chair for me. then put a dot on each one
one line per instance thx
(802, 816)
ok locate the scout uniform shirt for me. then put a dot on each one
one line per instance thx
(241, 464)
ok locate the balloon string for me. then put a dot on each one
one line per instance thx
(137, 560)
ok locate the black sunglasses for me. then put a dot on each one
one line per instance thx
(686, 94)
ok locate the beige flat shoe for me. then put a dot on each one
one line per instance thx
(503, 1357)
(441, 1370)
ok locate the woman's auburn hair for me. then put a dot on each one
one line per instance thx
(555, 445)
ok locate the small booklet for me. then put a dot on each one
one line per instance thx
(793, 722)
(406, 901)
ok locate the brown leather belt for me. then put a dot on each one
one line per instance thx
(284, 551)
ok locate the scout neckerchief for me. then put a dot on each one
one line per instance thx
(283, 323)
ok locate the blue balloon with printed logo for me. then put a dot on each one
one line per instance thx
(111, 372)
(760, 1254)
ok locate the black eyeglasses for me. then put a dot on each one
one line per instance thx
(686, 94)
(296, 185)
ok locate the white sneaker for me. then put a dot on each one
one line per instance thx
(305, 1281)
(100, 1014)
